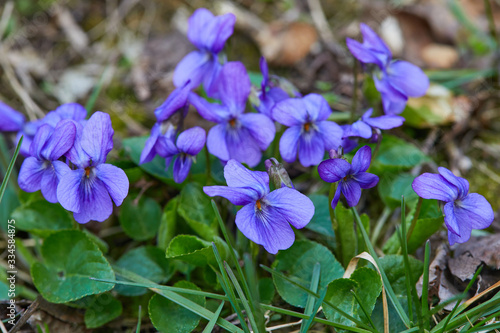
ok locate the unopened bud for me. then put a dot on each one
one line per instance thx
(339, 153)
(278, 174)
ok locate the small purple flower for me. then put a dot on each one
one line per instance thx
(367, 127)
(42, 170)
(12, 120)
(395, 80)
(164, 131)
(88, 191)
(188, 145)
(209, 34)
(266, 216)
(310, 132)
(269, 94)
(462, 211)
(238, 135)
(72, 111)
(351, 178)
(348, 143)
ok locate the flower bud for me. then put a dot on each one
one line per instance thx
(278, 174)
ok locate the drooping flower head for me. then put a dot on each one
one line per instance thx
(463, 211)
(89, 189)
(269, 93)
(169, 117)
(42, 170)
(351, 177)
(266, 216)
(238, 135)
(189, 143)
(309, 133)
(369, 128)
(208, 33)
(395, 80)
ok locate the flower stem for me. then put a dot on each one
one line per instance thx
(415, 218)
(333, 188)
(355, 91)
(207, 163)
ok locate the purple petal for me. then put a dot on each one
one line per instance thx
(211, 112)
(68, 190)
(461, 184)
(351, 191)
(73, 111)
(261, 128)
(192, 140)
(311, 149)
(234, 87)
(175, 101)
(238, 196)
(265, 228)
(12, 120)
(212, 71)
(149, 152)
(454, 238)
(61, 140)
(97, 137)
(333, 170)
(317, 107)
(242, 146)
(393, 99)
(364, 54)
(216, 142)
(393, 106)
(277, 94)
(265, 73)
(432, 186)
(336, 197)
(385, 122)
(30, 175)
(191, 68)
(366, 179)
(210, 32)
(49, 184)
(40, 140)
(289, 143)
(331, 133)
(361, 160)
(290, 112)
(95, 203)
(293, 206)
(237, 175)
(182, 165)
(359, 129)
(115, 180)
(451, 219)
(474, 211)
(407, 78)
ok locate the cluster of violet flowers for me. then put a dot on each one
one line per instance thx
(67, 154)
(66, 160)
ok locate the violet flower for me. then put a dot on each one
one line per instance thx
(266, 216)
(89, 190)
(351, 177)
(240, 136)
(42, 170)
(12, 120)
(189, 144)
(395, 80)
(164, 130)
(72, 111)
(462, 211)
(269, 94)
(369, 128)
(209, 34)
(310, 132)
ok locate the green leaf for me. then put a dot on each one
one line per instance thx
(102, 310)
(168, 223)
(168, 316)
(5, 181)
(298, 262)
(392, 186)
(195, 251)
(71, 258)
(195, 207)
(430, 221)
(266, 290)
(42, 218)
(140, 220)
(148, 262)
(9, 203)
(345, 234)
(395, 153)
(367, 285)
(321, 222)
(395, 322)
(395, 270)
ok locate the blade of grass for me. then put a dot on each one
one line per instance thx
(138, 328)
(390, 292)
(226, 285)
(211, 324)
(9, 169)
(97, 90)
(242, 297)
(485, 320)
(356, 297)
(403, 242)
(306, 325)
(425, 285)
(487, 328)
(310, 299)
(351, 318)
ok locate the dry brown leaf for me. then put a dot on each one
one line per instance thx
(439, 55)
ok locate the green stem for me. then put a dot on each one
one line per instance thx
(355, 91)
(380, 224)
(207, 163)
(415, 218)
